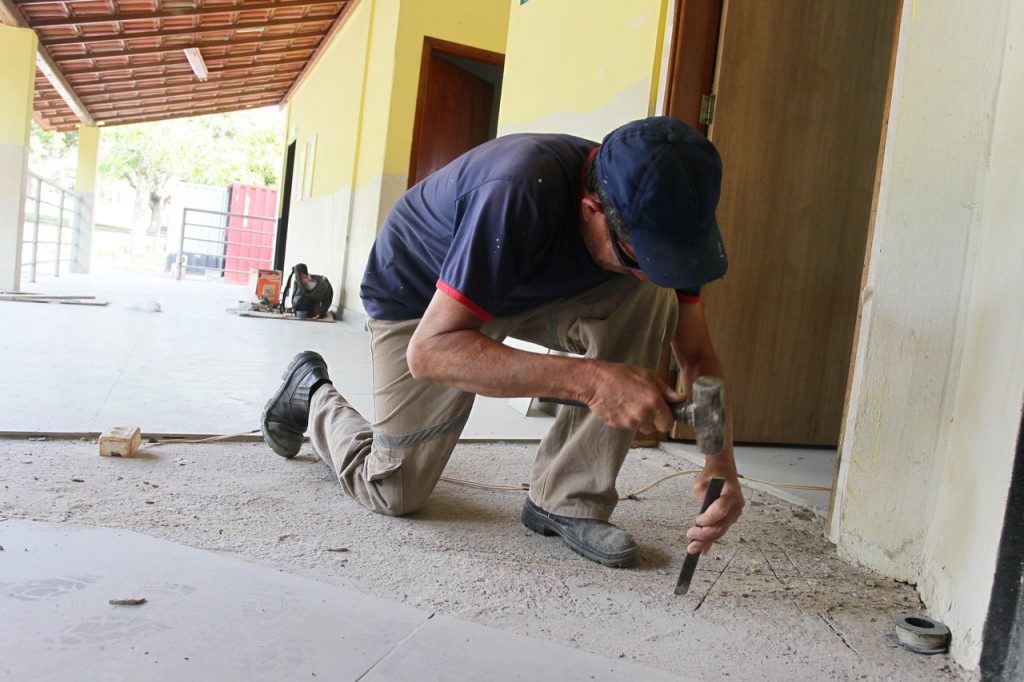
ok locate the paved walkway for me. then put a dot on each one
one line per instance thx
(215, 618)
(191, 368)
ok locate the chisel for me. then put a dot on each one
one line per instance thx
(690, 562)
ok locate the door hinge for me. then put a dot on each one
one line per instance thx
(707, 109)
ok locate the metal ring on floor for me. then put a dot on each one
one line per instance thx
(921, 635)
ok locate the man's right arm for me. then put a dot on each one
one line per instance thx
(449, 348)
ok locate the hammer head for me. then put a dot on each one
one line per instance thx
(706, 413)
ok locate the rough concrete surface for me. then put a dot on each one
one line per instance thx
(772, 601)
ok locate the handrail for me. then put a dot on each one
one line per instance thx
(61, 221)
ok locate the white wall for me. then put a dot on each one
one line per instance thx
(939, 379)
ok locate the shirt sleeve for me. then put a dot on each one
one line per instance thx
(491, 245)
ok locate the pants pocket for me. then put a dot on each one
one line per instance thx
(380, 465)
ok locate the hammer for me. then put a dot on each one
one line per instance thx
(706, 414)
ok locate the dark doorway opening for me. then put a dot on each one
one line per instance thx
(456, 105)
(286, 203)
(1002, 652)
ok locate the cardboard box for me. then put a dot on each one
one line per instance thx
(268, 285)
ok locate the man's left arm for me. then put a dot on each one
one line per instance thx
(696, 356)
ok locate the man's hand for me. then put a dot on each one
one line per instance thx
(628, 397)
(712, 524)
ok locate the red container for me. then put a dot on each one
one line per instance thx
(249, 238)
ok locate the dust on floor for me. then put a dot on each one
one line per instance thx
(772, 601)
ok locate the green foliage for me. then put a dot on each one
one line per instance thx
(53, 155)
(215, 150)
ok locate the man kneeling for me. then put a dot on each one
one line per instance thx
(598, 250)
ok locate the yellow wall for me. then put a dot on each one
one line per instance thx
(477, 23)
(327, 104)
(581, 66)
(359, 102)
(17, 80)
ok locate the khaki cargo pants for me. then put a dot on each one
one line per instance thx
(392, 465)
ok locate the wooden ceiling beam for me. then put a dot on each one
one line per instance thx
(196, 30)
(149, 118)
(182, 60)
(99, 102)
(168, 14)
(137, 52)
(189, 106)
(181, 73)
(132, 94)
(112, 108)
(90, 98)
(226, 109)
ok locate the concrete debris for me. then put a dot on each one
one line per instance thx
(147, 306)
(127, 602)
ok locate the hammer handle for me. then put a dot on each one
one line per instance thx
(680, 411)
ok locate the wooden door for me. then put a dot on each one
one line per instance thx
(454, 110)
(801, 91)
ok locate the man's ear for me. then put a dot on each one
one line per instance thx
(590, 205)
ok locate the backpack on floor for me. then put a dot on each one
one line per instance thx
(312, 295)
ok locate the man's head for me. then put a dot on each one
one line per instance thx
(658, 181)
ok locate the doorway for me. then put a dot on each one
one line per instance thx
(796, 109)
(281, 240)
(456, 106)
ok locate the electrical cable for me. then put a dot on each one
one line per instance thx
(522, 487)
(211, 439)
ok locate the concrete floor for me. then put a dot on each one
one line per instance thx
(772, 602)
(210, 617)
(195, 368)
(190, 368)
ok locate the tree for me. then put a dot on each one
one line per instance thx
(218, 150)
(53, 155)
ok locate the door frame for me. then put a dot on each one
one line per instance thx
(693, 54)
(281, 236)
(431, 46)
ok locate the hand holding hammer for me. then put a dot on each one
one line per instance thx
(705, 412)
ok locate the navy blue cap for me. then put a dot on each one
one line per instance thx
(664, 178)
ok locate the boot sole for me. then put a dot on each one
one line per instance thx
(287, 453)
(538, 524)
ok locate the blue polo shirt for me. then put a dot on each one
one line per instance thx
(497, 229)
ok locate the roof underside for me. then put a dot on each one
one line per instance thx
(125, 60)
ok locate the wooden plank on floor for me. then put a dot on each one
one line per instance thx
(279, 316)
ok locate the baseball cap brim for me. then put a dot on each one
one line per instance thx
(690, 266)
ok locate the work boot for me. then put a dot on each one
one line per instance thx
(596, 540)
(286, 415)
